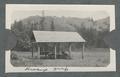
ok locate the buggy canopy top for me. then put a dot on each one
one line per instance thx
(57, 36)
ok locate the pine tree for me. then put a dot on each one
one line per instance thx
(52, 25)
(42, 21)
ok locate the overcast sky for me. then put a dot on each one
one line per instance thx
(21, 11)
(18, 15)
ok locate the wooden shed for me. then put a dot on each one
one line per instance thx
(57, 37)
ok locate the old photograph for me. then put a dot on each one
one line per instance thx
(60, 36)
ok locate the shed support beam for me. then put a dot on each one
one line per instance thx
(55, 51)
(32, 51)
(70, 50)
(83, 50)
(38, 52)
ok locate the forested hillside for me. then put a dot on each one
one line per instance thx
(93, 31)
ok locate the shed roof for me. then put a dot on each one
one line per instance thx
(57, 36)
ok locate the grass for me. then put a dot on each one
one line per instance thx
(95, 57)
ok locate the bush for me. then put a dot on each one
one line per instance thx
(14, 56)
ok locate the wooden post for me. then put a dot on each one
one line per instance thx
(55, 51)
(83, 50)
(32, 49)
(43, 49)
(38, 52)
(70, 50)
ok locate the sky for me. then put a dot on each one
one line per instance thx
(22, 11)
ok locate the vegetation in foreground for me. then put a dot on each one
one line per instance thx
(95, 57)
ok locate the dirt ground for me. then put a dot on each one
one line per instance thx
(95, 57)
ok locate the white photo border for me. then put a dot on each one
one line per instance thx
(9, 68)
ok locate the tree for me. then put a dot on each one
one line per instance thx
(42, 21)
(52, 25)
(22, 34)
(89, 34)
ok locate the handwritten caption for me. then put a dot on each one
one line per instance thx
(43, 69)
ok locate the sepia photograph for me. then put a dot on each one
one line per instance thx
(53, 36)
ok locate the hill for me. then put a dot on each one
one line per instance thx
(68, 23)
(93, 31)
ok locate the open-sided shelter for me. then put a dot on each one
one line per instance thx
(56, 37)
